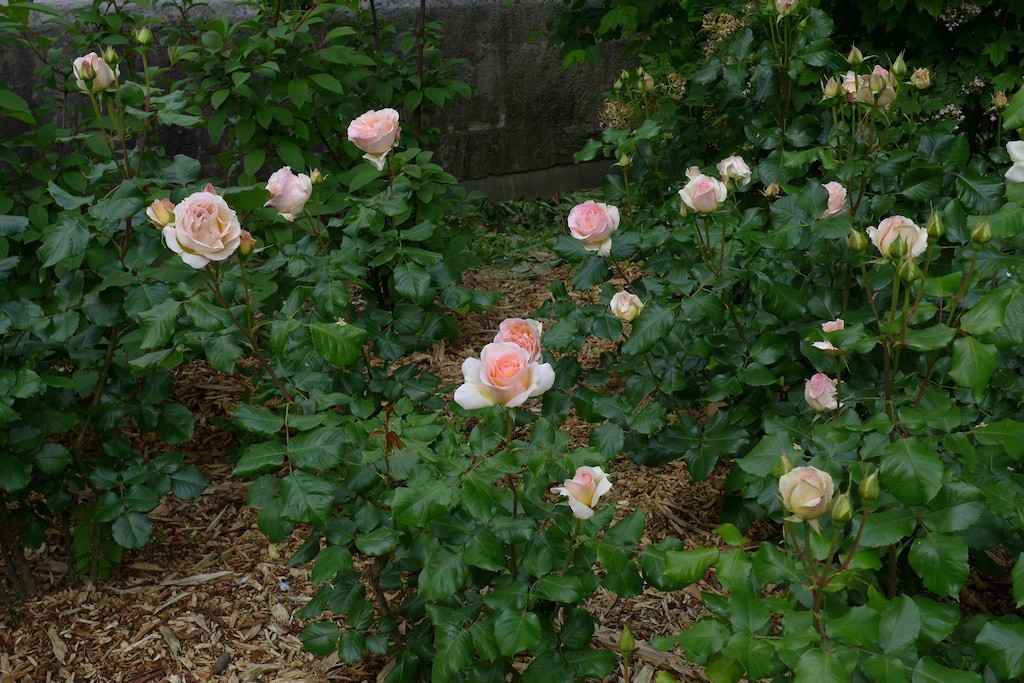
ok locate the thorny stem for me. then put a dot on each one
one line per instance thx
(261, 359)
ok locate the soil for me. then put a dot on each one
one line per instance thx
(210, 599)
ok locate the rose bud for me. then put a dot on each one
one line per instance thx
(821, 393)
(908, 270)
(869, 489)
(899, 229)
(999, 100)
(842, 508)
(143, 35)
(703, 194)
(289, 192)
(524, 333)
(982, 233)
(584, 490)
(856, 241)
(836, 199)
(246, 243)
(771, 191)
(376, 133)
(935, 227)
(93, 74)
(855, 56)
(734, 168)
(626, 641)
(161, 213)
(626, 306)
(899, 67)
(921, 79)
(806, 491)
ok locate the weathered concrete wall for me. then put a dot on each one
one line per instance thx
(516, 136)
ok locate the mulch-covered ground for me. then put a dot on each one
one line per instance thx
(211, 600)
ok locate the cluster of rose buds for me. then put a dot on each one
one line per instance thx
(875, 89)
(703, 193)
(508, 371)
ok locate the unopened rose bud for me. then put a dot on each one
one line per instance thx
(935, 227)
(161, 213)
(647, 83)
(897, 249)
(247, 243)
(781, 466)
(210, 188)
(899, 67)
(624, 75)
(627, 643)
(806, 491)
(999, 100)
(316, 177)
(869, 488)
(143, 36)
(855, 57)
(876, 83)
(921, 79)
(618, 84)
(842, 508)
(640, 72)
(625, 161)
(110, 55)
(771, 191)
(982, 233)
(830, 89)
(785, 7)
(857, 241)
(908, 270)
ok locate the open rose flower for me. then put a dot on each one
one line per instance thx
(584, 490)
(821, 393)
(1015, 174)
(593, 224)
(833, 325)
(734, 168)
(376, 133)
(703, 193)
(524, 333)
(289, 192)
(205, 229)
(836, 199)
(915, 238)
(93, 74)
(806, 491)
(503, 375)
(626, 306)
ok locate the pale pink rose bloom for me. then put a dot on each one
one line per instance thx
(734, 168)
(289, 192)
(836, 199)
(703, 194)
(785, 7)
(887, 76)
(376, 133)
(833, 325)
(593, 224)
(93, 74)
(821, 393)
(524, 333)
(161, 212)
(806, 491)
(205, 229)
(1015, 174)
(584, 490)
(921, 79)
(626, 306)
(899, 227)
(503, 375)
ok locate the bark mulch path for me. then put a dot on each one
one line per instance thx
(209, 599)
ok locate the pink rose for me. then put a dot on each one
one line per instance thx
(376, 133)
(288, 192)
(584, 490)
(593, 224)
(524, 333)
(626, 306)
(836, 199)
(893, 228)
(703, 194)
(821, 392)
(734, 168)
(921, 79)
(833, 325)
(93, 74)
(806, 491)
(205, 229)
(828, 348)
(503, 375)
(161, 213)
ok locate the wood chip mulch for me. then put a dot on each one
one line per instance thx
(209, 599)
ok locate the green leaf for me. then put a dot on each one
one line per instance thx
(923, 182)
(516, 631)
(701, 640)
(1018, 580)
(930, 338)
(132, 530)
(257, 419)
(317, 450)
(320, 638)
(1006, 433)
(380, 541)
(64, 199)
(887, 527)
(757, 655)
(306, 499)
(689, 566)
(941, 562)
(979, 194)
(158, 323)
(351, 646)
(1013, 115)
(927, 670)
(329, 562)
(973, 364)
(412, 281)
(69, 237)
(899, 625)
(416, 506)
(565, 589)
(1001, 646)
(608, 438)
(188, 482)
(821, 666)
(911, 470)
(337, 344)
(260, 458)
(859, 626)
(52, 458)
(651, 327)
(176, 423)
(989, 314)
(15, 473)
